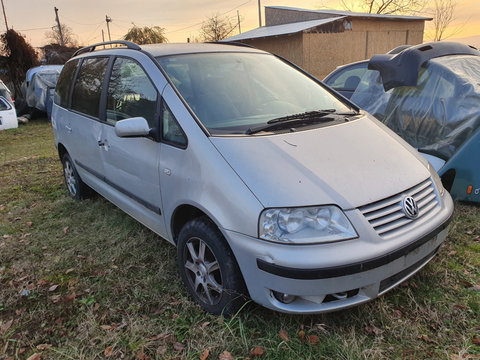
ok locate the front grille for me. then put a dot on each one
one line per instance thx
(387, 217)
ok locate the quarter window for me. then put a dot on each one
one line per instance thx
(172, 133)
(130, 93)
(88, 87)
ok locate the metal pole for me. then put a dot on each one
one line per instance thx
(103, 38)
(259, 14)
(107, 19)
(59, 27)
(4, 15)
(239, 28)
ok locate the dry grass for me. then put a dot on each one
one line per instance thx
(82, 280)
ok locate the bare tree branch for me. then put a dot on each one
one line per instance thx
(443, 15)
(216, 28)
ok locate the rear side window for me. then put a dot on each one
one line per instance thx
(130, 93)
(64, 83)
(88, 87)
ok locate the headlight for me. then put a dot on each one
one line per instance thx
(436, 180)
(307, 225)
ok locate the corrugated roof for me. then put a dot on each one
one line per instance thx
(276, 30)
(353, 14)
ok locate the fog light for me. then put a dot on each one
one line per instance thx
(284, 298)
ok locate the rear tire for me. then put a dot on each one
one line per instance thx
(77, 189)
(208, 268)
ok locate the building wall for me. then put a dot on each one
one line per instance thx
(288, 46)
(285, 16)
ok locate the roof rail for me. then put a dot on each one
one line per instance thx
(90, 48)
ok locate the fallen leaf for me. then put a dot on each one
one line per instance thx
(397, 313)
(428, 339)
(53, 288)
(106, 327)
(257, 351)
(65, 230)
(469, 232)
(96, 306)
(5, 326)
(312, 339)
(35, 356)
(42, 282)
(69, 270)
(283, 335)
(461, 307)
(205, 324)
(141, 355)
(30, 286)
(451, 253)
(179, 346)
(55, 298)
(162, 350)
(373, 330)
(204, 355)
(43, 347)
(225, 356)
(29, 223)
(475, 287)
(301, 335)
(108, 351)
(70, 297)
(476, 341)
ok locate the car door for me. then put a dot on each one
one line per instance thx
(83, 128)
(132, 163)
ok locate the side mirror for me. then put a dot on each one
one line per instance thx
(132, 127)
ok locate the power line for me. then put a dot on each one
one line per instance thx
(45, 28)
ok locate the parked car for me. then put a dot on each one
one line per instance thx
(345, 79)
(270, 186)
(429, 94)
(38, 88)
(8, 115)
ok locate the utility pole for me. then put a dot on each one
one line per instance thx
(259, 14)
(4, 15)
(238, 16)
(59, 26)
(108, 19)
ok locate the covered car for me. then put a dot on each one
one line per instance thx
(40, 85)
(429, 94)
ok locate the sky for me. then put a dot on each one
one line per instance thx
(181, 19)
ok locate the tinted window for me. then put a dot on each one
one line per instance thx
(130, 93)
(64, 84)
(172, 133)
(348, 78)
(88, 87)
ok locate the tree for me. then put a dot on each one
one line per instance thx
(69, 38)
(146, 35)
(384, 6)
(442, 17)
(20, 57)
(216, 28)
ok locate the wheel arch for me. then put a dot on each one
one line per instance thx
(62, 150)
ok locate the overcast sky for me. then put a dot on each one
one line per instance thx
(181, 19)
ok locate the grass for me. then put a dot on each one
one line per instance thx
(82, 280)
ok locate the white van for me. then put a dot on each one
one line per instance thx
(270, 185)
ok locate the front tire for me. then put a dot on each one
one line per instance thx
(208, 268)
(77, 189)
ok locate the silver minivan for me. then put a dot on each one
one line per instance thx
(271, 186)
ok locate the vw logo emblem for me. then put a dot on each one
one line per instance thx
(410, 207)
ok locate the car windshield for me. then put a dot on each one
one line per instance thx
(233, 93)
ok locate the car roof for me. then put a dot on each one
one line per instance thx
(167, 49)
(195, 48)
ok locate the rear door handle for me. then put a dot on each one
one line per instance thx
(101, 143)
(69, 129)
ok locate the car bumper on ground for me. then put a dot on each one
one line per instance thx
(308, 289)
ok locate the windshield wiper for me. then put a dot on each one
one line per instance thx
(288, 123)
(302, 116)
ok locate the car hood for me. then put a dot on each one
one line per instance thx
(350, 164)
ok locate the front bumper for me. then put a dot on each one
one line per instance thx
(323, 289)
